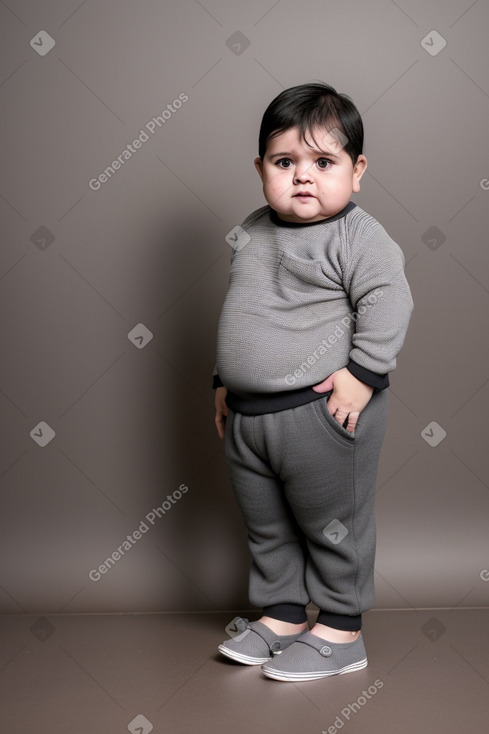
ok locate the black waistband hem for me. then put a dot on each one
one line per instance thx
(261, 403)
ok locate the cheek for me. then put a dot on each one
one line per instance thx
(276, 184)
(336, 184)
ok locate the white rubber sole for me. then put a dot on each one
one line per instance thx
(240, 658)
(299, 677)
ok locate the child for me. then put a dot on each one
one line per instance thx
(316, 312)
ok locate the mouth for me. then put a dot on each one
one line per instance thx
(304, 195)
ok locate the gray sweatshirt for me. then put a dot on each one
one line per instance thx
(305, 300)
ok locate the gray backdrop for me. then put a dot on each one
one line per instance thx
(110, 289)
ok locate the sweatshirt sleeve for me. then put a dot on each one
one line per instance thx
(381, 300)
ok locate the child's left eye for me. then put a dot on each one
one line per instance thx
(324, 163)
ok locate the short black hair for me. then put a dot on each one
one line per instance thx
(307, 106)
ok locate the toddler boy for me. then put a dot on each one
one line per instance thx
(316, 312)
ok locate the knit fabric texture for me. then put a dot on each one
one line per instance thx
(305, 300)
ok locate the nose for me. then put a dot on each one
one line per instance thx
(303, 175)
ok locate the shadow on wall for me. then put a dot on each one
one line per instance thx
(199, 534)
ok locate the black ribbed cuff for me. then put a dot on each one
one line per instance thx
(340, 621)
(378, 382)
(293, 613)
(216, 382)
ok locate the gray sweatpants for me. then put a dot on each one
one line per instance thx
(306, 489)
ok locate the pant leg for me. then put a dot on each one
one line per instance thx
(329, 480)
(276, 543)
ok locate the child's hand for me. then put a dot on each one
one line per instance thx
(221, 409)
(349, 396)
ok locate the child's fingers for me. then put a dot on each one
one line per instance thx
(340, 416)
(324, 386)
(220, 424)
(352, 422)
(343, 416)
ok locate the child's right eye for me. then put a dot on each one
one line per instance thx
(284, 161)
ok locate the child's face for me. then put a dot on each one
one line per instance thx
(291, 168)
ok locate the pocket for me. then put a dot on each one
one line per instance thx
(301, 276)
(330, 423)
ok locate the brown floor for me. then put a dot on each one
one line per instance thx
(428, 673)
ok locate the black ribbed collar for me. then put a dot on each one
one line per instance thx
(282, 223)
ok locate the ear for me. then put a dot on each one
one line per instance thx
(259, 166)
(358, 170)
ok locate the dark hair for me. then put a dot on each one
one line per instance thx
(308, 106)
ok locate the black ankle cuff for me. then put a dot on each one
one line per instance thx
(340, 621)
(293, 613)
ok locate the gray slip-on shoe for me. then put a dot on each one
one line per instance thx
(311, 658)
(256, 644)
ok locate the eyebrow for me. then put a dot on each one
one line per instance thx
(321, 154)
